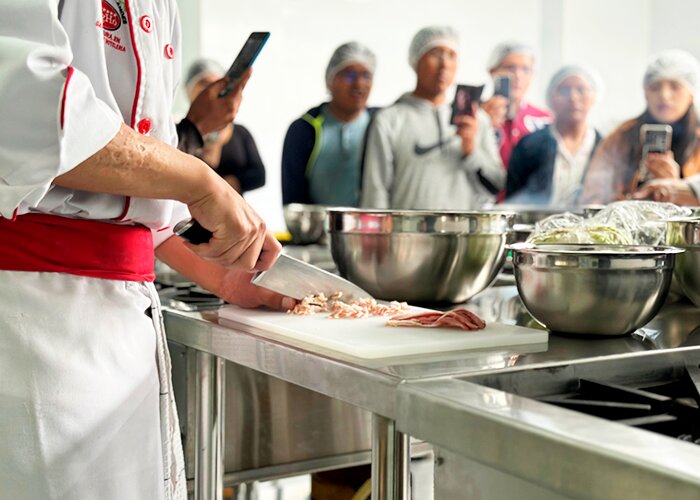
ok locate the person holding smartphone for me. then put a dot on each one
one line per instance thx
(414, 157)
(322, 150)
(92, 184)
(512, 66)
(620, 166)
(231, 151)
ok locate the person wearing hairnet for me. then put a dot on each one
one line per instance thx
(230, 151)
(547, 167)
(414, 157)
(513, 118)
(322, 149)
(619, 167)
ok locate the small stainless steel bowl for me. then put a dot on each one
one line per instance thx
(593, 289)
(306, 223)
(685, 233)
(419, 256)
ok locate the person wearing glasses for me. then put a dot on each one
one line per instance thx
(322, 149)
(414, 157)
(513, 117)
(548, 166)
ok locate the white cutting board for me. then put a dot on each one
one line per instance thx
(370, 338)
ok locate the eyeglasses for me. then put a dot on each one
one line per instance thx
(350, 75)
(566, 91)
(447, 55)
(517, 68)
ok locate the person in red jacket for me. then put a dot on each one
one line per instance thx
(514, 118)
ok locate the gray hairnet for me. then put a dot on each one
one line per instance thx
(503, 50)
(347, 54)
(589, 74)
(202, 67)
(429, 38)
(677, 65)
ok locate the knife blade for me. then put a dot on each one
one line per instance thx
(297, 279)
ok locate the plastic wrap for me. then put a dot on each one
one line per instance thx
(620, 223)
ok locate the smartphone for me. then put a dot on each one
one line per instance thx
(502, 85)
(466, 96)
(245, 59)
(655, 138)
(192, 231)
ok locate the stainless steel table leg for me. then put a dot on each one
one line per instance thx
(209, 421)
(391, 457)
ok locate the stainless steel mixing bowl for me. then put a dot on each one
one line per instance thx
(419, 256)
(685, 234)
(593, 289)
(305, 223)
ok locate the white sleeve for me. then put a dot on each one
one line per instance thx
(179, 213)
(485, 159)
(378, 166)
(51, 119)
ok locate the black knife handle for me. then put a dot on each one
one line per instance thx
(192, 231)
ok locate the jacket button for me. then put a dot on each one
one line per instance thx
(169, 51)
(146, 24)
(144, 126)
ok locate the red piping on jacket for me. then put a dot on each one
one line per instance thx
(65, 91)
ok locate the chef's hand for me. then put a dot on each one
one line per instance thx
(209, 112)
(497, 108)
(667, 190)
(663, 166)
(235, 287)
(240, 238)
(467, 127)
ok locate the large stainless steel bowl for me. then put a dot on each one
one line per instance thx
(419, 256)
(306, 223)
(593, 289)
(685, 234)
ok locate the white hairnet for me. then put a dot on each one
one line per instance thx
(347, 54)
(429, 38)
(502, 50)
(677, 65)
(202, 67)
(589, 74)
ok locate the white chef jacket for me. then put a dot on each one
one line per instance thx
(86, 400)
(70, 73)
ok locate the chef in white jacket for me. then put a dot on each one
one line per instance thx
(90, 184)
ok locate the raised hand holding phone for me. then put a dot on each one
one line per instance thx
(245, 59)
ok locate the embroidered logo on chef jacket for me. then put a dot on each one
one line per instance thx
(112, 20)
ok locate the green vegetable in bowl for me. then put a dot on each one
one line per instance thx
(587, 234)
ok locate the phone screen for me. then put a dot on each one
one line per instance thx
(245, 58)
(501, 86)
(465, 98)
(655, 138)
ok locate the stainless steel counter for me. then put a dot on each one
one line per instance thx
(400, 392)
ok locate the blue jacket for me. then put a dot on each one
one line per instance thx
(531, 168)
(301, 147)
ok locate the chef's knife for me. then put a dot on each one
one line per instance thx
(297, 279)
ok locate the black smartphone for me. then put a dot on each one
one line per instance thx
(502, 85)
(466, 97)
(192, 231)
(245, 59)
(655, 138)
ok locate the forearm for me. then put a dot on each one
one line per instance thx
(134, 165)
(176, 255)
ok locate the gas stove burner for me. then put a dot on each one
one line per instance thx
(671, 407)
(189, 298)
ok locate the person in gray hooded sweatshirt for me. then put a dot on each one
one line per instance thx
(414, 158)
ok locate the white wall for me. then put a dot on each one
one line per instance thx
(616, 37)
